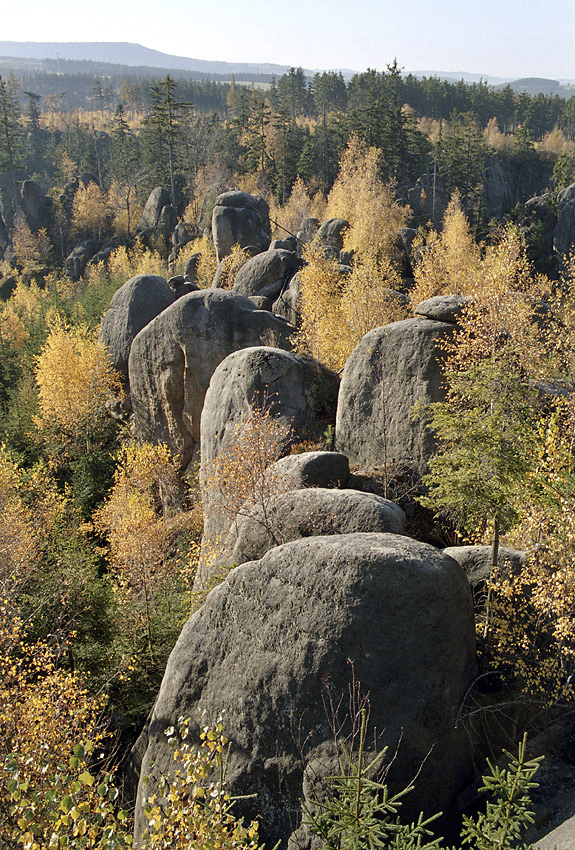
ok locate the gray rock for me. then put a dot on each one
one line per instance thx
(307, 232)
(76, 262)
(286, 304)
(288, 244)
(240, 218)
(476, 563)
(34, 205)
(181, 235)
(443, 308)
(297, 392)
(180, 286)
(173, 358)
(564, 233)
(282, 636)
(157, 200)
(266, 274)
(313, 469)
(312, 512)
(166, 221)
(191, 269)
(331, 233)
(390, 370)
(132, 307)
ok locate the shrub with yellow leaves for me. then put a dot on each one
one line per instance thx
(195, 808)
(360, 196)
(147, 533)
(53, 792)
(75, 379)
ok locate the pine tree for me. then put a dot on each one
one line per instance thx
(10, 134)
(164, 122)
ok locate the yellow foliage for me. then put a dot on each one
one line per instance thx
(125, 263)
(194, 809)
(50, 794)
(29, 247)
(89, 211)
(450, 261)
(290, 216)
(337, 311)
(207, 265)
(124, 208)
(74, 377)
(231, 264)
(359, 196)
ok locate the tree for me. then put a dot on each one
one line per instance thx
(164, 122)
(89, 211)
(10, 134)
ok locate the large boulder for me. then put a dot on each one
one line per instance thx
(267, 274)
(331, 233)
(132, 307)
(443, 308)
(174, 357)
(242, 219)
(476, 563)
(287, 303)
(564, 233)
(157, 200)
(298, 394)
(34, 205)
(312, 512)
(313, 469)
(392, 369)
(283, 637)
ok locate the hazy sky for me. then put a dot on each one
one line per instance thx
(507, 38)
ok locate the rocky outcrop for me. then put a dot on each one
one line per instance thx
(157, 200)
(282, 636)
(331, 233)
(299, 395)
(313, 469)
(267, 274)
(476, 563)
(392, 369)
(174, 357)
(312, 512)
(564, 233)
(242, 219)
(132, 307)
(76, 262)
(443, 308)
(34, 205)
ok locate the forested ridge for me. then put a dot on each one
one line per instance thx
(446, 201)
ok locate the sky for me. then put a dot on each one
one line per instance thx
(505, 38)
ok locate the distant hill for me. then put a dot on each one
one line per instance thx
(134, 55)
(540, 85)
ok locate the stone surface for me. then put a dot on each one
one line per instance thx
(331, 232)
(443, 308)
(476, 563)
(157, 200)
(266, 274)
(311, 512)
(391, 369)
(281, 636)
(242, 219)
(299, 394)
(174, 357)
(132, 307)
(34, 205)
(564, 233)
(313, 469)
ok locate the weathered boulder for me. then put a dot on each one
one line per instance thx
(307, 232)
(443, 308)
(166, 222)
(240, 218)
(287, 244)
(157, 200)
(181, 235)
(7, 286)
(132, 307)
(392, 369)
(34, 205)
(282, 636)
(311, 512)
(286, 304)
(313, 469)
(266, 274)
(174, 357)
(330, 234)
(564, 233)
(76, 262)
(191, 268)
(299, 394)
(476, 563)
